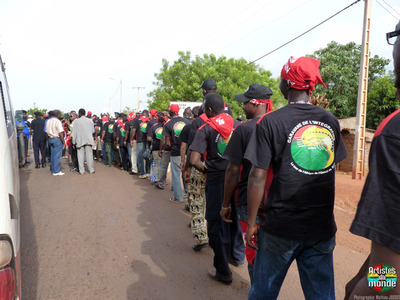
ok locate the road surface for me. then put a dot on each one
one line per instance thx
(114, 236)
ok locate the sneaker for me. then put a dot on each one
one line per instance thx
(159, 186)
(143, 176)
(58, 174)
(74, 170)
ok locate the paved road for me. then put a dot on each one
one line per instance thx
(114, 236)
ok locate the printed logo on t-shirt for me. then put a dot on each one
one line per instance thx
(123, 132)
(382, 278)
(222, 143)
(111, 128)
(177, 129)
(158, 133)
(312, 147)
(143, 127)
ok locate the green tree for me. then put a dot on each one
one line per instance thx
(340, 69)
(382, 100)
(180, 81)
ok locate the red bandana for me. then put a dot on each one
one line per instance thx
(302, 73)
(144, 119)
(174, 108)
(223, 123)
(268, 103)
(204, 117)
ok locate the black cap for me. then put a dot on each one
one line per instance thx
(255, 91)
(209, 84)
(37, 113)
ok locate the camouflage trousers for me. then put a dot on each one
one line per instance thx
(197, 201)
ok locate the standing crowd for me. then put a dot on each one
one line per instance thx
(270, 179)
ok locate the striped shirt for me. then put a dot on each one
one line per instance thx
(54, 127)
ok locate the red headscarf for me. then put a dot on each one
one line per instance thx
(223, 123)
(302, 73)
(153, 112)
(174, 108)
(267, 102)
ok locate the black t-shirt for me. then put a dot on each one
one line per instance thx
(155, 132)
(121, 133)
(128, 129)
(174, 129)
(235, 151)
(141, 127)
(378, 212)
(108, 127)
(209, 142)
(194, 126)
(302, 144)
(37, 126)
(150, 124)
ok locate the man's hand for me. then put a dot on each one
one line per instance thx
(186, 175)
(226, 213)
(182, 165)
(252, 236)
(64, 145)
(160, 153)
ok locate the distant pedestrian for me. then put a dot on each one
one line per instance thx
(39, 140)
(83, 140)
(55, 132)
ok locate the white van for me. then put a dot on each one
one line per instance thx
(10, 271)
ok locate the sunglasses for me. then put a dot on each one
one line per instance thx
(392, 36)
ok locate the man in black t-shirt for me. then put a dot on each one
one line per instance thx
(302, 144)
(107, 138)
(120, 138)
(378, 212)
(256, 102)
(138, 132)
(154, 136)
(38, 139)
(225, 239)
(172, 132)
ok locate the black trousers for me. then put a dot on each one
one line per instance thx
(39, 146)
(74, 156)
(226, 239)
(123, 151)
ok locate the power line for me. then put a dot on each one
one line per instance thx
(387, 10)
(305, 32)
(391, 7)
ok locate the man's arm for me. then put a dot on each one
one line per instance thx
(102, 136)
(231, 179)
(133, 133)
(195, 160)
(183, 155)
(61, 135)
(168, 141)
(255, 193)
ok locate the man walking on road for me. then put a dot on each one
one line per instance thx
(377, 217)
(302, 144)
(39, 140)
(256, 102)
(55, 131)
(225, 239)
(83, 139)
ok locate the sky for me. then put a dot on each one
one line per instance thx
(75, 54)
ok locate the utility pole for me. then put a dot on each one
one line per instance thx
(138, 98)
(359, 140)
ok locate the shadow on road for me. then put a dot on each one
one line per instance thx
(29, 250)
(172, 270)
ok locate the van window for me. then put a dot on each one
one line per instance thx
(7, 111)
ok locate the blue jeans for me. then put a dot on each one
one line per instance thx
(141, 146)
(104, 154)
(176, 177)
(56, 148)
(274, 257)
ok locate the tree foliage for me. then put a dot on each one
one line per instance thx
(180, 81)
(382, 100)
(340, 69)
